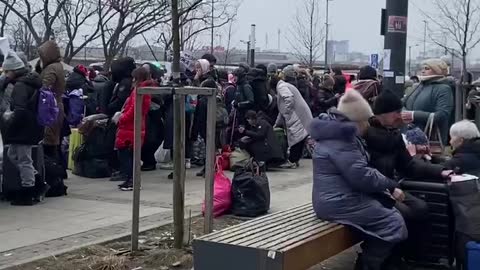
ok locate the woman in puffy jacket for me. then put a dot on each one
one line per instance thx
(125, 132)
(346, 189)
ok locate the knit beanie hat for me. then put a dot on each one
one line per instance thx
(12, 62)
(272, 68)
(367, 73)
(290, 72)
(387, 102)
(437, 65)
(416, 136)
(355, 107)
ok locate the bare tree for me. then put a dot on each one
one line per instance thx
(22, 39)
(76, 17)
(458, 21)
(40, 17)
(122, 20)
(195, 18)
(4, 16)
(307, 34)
(229, 33)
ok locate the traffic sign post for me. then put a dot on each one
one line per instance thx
(374, 60)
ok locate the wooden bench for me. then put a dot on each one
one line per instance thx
(294, 239)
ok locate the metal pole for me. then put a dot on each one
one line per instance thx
(410, 61)
(210, 163)
(248, 52)
(396, 43)
(137, 180)
(179, 137)
(425, 39)
(252, 46)
(326, 35)
(213, 25)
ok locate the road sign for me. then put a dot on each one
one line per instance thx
(374, 60)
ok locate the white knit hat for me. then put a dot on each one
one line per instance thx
(354, 106)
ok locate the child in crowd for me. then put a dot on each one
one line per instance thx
(124, 139)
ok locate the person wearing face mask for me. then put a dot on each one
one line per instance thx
(344, 184)
(432, 95)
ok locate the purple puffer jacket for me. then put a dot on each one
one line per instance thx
(342, 181)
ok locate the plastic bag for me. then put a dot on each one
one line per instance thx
(162, 155)
(222, 188)
(238, 159)
(250, 191)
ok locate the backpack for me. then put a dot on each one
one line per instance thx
(222, 117)
(47, 107)
(76, 107)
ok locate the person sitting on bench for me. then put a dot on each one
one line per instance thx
(390, 156)
(345, 187)
(465, 140)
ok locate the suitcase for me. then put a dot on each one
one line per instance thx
(282, 141)
(11, 181)
(473, 255)
(441, 239)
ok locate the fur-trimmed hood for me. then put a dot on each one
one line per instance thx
(332, 125)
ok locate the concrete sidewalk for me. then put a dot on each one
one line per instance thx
(96, 211)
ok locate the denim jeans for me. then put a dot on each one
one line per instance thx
(21, 157)
(125, 157)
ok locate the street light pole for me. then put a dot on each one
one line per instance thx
(425, 39)
(326, 34)
(85, 50)
(410, 59)
(213, 25)
(248, 50)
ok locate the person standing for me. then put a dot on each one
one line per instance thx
(295, 116)
(53, 77)
(22, 130)
(368, 84)
(432, 96)
(325, 98)
(125, 133)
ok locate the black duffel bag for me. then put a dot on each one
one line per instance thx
(250, 191)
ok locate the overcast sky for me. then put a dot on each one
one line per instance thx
(355, 20)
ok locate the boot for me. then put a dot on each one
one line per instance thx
(40, 191)
(359, 262)
(25, 197)
(201, 173)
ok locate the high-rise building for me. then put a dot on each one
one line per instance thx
(338, 51)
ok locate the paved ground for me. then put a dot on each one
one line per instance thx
(95, 211)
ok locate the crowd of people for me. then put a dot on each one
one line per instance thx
(366, 137)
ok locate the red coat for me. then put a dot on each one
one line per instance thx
(125, 127)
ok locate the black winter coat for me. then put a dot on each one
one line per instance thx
(389, 155)
(340, 84)
(122, 77)
(264, 145)
(120, 93)
(77, 81)
(258, 82)
(22, 126)
(466, 158)
(324, 100)
(244, 100)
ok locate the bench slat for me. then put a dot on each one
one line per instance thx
(226, 233)
(298, 236)
(271, 229)
(285, 235)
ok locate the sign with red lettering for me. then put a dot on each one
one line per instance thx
(397, 24)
